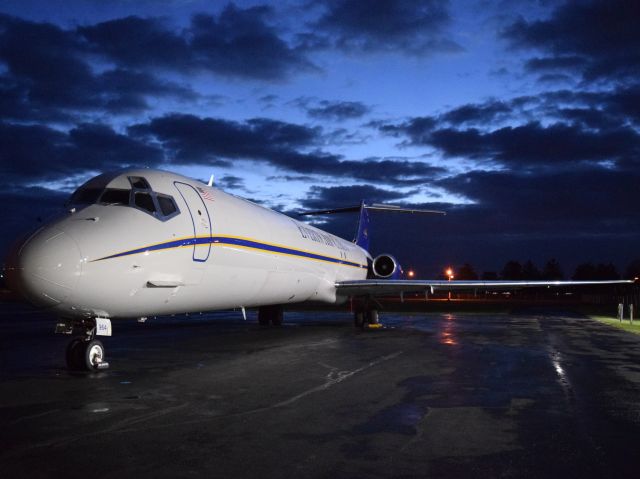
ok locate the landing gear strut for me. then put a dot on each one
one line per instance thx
(84, 352)
(270, 314)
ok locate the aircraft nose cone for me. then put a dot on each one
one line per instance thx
(48, 267)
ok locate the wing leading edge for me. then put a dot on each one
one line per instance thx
(376, 287)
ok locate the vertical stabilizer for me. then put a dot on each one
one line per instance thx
(362, 235)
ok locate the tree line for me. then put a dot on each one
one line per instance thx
(551, 271)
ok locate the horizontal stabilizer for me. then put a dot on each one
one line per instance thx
(374, 206)
(349, 209)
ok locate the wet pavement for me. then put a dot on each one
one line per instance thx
(434, 395)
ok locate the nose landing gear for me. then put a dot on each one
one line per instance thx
(84, 352)
(270, 314)
(83, 355)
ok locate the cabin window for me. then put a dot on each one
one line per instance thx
(144, 201)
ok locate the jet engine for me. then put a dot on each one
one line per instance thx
(386, 266)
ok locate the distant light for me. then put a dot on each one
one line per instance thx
(411, 273)
(449, 273)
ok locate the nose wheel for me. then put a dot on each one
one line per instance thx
(86, 355)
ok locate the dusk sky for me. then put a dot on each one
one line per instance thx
(521, 119)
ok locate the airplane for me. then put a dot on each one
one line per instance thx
(136, 243)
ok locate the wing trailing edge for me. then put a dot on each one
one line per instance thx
(376, 287)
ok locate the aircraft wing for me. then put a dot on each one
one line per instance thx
(381, 287)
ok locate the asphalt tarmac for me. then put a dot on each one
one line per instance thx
(535, 394)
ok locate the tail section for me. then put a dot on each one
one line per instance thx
(362, 233)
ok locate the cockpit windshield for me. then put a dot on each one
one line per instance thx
(133, 192)
(113, 196)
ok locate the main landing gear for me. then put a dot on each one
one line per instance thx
(272, 314)
(366, 319)
(84, 352)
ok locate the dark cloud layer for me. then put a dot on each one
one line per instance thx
(416, 27)
(48, 76)
(599, 38)
(237, 42)
(335, 110)
(33, 153)
(193, 140)
(340, 196)
(533, 144)
(581, 129)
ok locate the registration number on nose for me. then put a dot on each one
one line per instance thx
(103, 327)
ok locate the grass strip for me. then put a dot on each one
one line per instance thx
(615, 322)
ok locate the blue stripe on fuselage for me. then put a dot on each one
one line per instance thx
(233, 241)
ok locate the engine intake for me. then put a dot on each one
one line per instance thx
(386, 266)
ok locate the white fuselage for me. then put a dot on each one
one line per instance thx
(218, 252)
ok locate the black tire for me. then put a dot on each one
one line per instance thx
(75, 355)
(372, 317)
(93, 354)
(277, 316)
(273, 314)
(358, 319)
(263, 316)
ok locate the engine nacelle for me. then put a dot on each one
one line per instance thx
(386, 266)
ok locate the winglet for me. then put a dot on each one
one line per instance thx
(210, 180)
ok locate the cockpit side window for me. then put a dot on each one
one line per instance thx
(167, 205)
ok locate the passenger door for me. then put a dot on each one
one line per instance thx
(200, 219)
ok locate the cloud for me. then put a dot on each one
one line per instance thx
(414, 27)
(598, 39)
(192, 139)
(231, 182)
(237, 42)
(25, 209)
(48, 76)
(533, 144)
(477, 113)
(338, 196)
(333, 110)
(34, 153)
(188, 139)
(51, 73)
(580, 128)
(566, 202)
